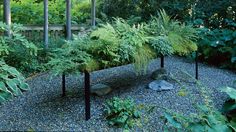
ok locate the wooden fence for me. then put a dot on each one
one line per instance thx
(35, 32)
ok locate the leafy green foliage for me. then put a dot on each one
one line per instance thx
(71, 58)
(121, 112)
(161, 45)
(207, 117)
(31, 11)
(229, 107)
(122, 44)
(11, 82)
(209, 120)
(213, 12)
(220, 45)
(16, 50)
(172, 35)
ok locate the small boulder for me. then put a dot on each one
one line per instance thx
(159, 74)
(100, 89)
(160, 85)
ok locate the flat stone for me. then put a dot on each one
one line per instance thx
(100, 89)
(159, 73)
(160, 85)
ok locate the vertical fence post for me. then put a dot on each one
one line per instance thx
(196, 65)
(87, 94)
(68, 19)
(162, 61)
(45, 29)
(68, 37)
(7, 16)
(93, 13)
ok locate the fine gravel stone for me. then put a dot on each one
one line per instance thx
(160, 85)
(43, 109)
(100, 89)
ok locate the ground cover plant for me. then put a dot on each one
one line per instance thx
(121, 112)
(207, 118)
(12, 82)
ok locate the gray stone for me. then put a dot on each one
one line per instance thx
(100, 89)
(159, 74)
(160, 85)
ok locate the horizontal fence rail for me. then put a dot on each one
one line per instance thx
(35, 32)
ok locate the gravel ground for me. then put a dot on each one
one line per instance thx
(43, 109)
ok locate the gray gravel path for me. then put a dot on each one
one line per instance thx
(43, 109)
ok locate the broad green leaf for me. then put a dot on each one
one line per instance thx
(3, 86)
(13, 87)
(172, 121)
(233, 59)
(230, 91)
(228, 106)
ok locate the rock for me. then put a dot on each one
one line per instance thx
(160, 85)
(100, 89)
(159, 74)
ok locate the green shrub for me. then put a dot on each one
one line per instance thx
(218, 47)
(121, 112)
(16, 50)
(11, 82)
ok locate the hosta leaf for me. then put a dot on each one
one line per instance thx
(197, 127)
(24, 86)
(2, 99)
(172, 121)
(219, 128)
(233, 59)
(5, 95)
(13, 87)
(233, 125)
(230, 91)
(228, 106)
(3, 86)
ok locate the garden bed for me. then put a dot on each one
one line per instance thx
(43, 109)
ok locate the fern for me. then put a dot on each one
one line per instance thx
(123, 44)
(180, 36)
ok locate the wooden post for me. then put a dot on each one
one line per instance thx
(7, 15)
(162, 61)
(196, 65)
(87, 94)
(93, 13)
(63, 85)
(45, 24)
(68, 19)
